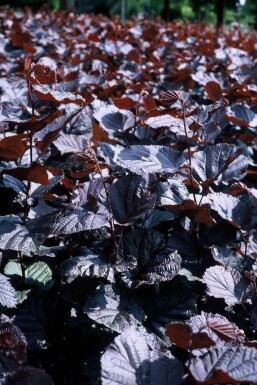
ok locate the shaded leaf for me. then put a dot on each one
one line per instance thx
(83, 194)
(232, 258)
(156, 217)
(7, 326)
(14, 184)
(130, 198)
(161, 268)
(145, 260)
(109, 153)
(29, 376)
(12, 353)
(142, 245)
(13, 113)
(36, 317)
(173, 301)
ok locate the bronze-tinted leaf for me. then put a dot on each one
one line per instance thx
(13, 147)
(224, 329)
(35, 173)
(170, 97)
(197, 213)
(99, 135)
(225, 365)
(181, 335)
(124, 103)
(44, 93)
(214, 91)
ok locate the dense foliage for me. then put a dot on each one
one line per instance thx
(209, 11)
(128, 202)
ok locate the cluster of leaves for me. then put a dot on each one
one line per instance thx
(128, 227)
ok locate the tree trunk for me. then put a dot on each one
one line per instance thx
(67, 5)
(123, 10)
(166, 10)
(219, 8)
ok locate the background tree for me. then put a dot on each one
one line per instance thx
(67, 4)
(166, 10)
(250, 13)
(207, 11)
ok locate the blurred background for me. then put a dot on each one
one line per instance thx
(225, 12)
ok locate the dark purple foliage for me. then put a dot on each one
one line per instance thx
(128, 202)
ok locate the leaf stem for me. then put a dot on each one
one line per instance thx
(98, 169)
(22, 266)
(246, 240)
(30, 134)
(188, 146)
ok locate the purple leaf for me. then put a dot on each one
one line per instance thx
(225, 365)
(151, 159)
(138, 358)
(227, 284)
(130, 198)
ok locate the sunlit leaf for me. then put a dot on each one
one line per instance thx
(220, 160)
(15, 236)
(227, 284)
(46, 93)
(151, 159)
(225, 365)
(137, 357)
(7, 293)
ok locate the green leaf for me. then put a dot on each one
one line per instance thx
(186, 273)
(37, 273)
(22, 295)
